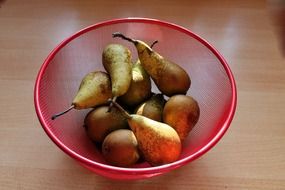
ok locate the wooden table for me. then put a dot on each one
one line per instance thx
(250, 156)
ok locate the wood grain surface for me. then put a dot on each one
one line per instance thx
(248, 33)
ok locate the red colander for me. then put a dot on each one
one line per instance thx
(213, 87)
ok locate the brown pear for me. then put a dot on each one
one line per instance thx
(120, 148)
(182, 113)
(100, 122)
(152, 108)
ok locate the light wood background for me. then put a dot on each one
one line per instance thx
(250, 35)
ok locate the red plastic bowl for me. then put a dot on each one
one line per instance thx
(213, 86)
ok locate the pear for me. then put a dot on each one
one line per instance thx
(140, 88)
(158, 142)
(94, 90)
(169, 77)
(120, 148)
(182, 113)
(152, 108)
(99, 122)
(117, 62)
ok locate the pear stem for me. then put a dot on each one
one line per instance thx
(111, 103)
(61, 113)
(120, 35)
(126, 114)
(153, 43)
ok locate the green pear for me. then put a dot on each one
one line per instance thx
(152, 108)
(182, 113)
(99, 122)
(169, 77)
(120, 148)
(117, 62)
(140, 88)
(94, 90)
(158, 142)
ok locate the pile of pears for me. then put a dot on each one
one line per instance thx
(130, 122)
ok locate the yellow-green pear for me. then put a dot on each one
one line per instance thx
(117, 62)
(158, 142)
(140, 88)
(94, 90)
(169, 77)
(182, 113)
